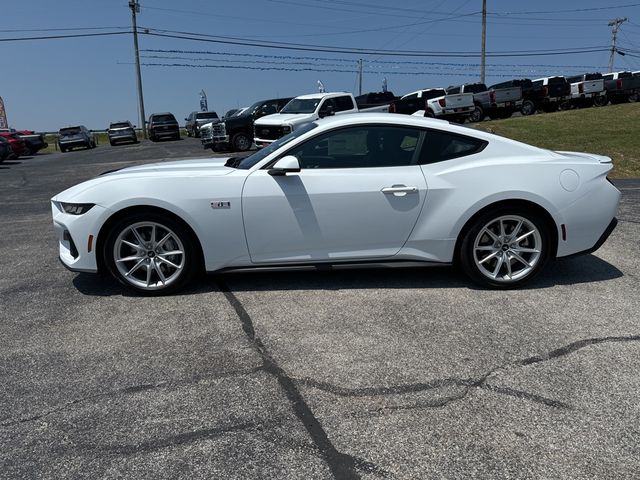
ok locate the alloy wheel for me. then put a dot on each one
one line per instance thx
(149, 255)
(507, 249)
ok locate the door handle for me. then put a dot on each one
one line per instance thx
(399, 190)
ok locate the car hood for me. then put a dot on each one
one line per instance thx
(284, 118)
(180, 168)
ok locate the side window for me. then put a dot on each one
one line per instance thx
(329, 102)
(439, 146)
(412, 95)
(343, 103)
(538, 83)
(360, 147)
(608, 77)
(453, 90)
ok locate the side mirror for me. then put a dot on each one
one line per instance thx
(287, 164)
(326, 112)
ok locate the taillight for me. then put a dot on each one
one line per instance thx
(442, 102)
(619, 84)
(492, 96)
(392, 107)
(545, 91)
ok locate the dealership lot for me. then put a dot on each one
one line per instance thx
(396, 373)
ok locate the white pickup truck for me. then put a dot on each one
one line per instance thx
(434, 102)
(303, 110)
(588, 89)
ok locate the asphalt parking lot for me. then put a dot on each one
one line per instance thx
(397, 373)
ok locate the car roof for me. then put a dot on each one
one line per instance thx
(321, 95)
(161, 113)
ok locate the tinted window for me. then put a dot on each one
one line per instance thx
(70, 131)
(574, 79)
(593, 76)
(360, 147)
(538, 83)
(343, 103)
(453, 90)
(428, 94)
(301, 105)
(625, 75)
(205, 115)
(608, 77)
(411, 95)
(120, 125)
(439, 146)
(557, 81)
(475, 88)
(163, 118)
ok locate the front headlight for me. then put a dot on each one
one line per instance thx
(287, 129)
(75, 208)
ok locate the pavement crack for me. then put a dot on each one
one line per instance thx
(176, 440)
(130, 390)
(575, 346)
(549, 402)
(342, 466)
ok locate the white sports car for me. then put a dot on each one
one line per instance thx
(350, 189)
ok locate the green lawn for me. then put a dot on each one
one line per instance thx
(613, 131)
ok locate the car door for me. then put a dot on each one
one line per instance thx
(357, 196)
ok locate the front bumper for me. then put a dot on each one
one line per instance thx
(77, 237)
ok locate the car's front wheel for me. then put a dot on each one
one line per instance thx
(151, 253)
(505, 248)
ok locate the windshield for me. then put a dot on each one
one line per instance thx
(120, 125)
(248, 162)
(70, 131)
(164, 119)
(206, 115)
(301, 105)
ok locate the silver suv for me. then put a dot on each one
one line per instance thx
(122, 132)
(196, 119)
(71, 137)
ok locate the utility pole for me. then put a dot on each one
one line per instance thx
(483, 58)
(135, 8)
(360, 76)
(615, 25)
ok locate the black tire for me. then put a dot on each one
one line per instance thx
(63, 149)
(190, 261)
(480, 269)
(600, 101)
(188, 132)
(112, 143)
(528, 108)
(477, 115)
(241, 142)
(27, 152)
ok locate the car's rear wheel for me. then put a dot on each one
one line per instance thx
(151, 253)
(505, 248)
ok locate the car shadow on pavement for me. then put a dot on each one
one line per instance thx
(7, 164)
(585, 269)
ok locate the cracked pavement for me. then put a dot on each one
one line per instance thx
(397, 373)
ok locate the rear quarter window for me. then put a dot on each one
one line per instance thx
(440, 146)
(343, 103)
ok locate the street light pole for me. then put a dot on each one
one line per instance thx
(135, 8)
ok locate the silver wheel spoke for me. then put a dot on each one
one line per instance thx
(525, 250)
(135, 267)
(164, 260)
(130, 259)
(519, 239)
(520, 259)
(149, 270)
(489, 257)
(158, 270)
(496, 271)
(490, 233)
(487, 248)
(153, 236)
(138, 237)
(164, 239)
(508, 262)
(502, 232)
(172, 252)
(132, 245)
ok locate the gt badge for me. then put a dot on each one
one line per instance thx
(219, 204)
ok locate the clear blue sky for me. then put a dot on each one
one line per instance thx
(48, 84)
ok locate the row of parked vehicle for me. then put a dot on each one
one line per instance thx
(267, 120)
(20, 143)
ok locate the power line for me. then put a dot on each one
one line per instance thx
(53, 37)
(71, 29)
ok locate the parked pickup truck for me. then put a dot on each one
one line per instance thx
(236, 132)
(306, 109)
(621, 86)
(436, 103)
(495, 102)
(587, 90)
(554, 93)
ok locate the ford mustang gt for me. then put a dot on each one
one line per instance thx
(350, 190)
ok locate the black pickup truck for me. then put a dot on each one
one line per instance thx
(237, 131)
(621, 87)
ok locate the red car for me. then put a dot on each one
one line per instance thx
(15, 142)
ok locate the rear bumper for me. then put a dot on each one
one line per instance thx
(603, 238)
